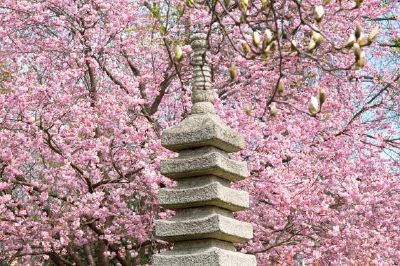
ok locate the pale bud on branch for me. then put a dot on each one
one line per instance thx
(243, 5)
(317, 37)
(233, 72)
(178, 54)
(281, 87)
(362, 40)
(350, 42)
(357, 50)
(360, 63)
(273, 110)
(322, 96)
(311, 45)
(319, 13)
(373, 34)
(313, 106)
(358, 30)
(293, 48)
(268, 35)
(245, 47)
(256, 38)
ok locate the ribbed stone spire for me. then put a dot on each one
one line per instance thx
(201, 87)
(203, 230)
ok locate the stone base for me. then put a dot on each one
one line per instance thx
(204, 257)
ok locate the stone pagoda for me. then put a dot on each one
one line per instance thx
(203, 230)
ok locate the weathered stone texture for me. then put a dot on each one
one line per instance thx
(205, 191)
(204, 161)
(200, 223)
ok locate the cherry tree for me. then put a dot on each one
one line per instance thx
(88, 86)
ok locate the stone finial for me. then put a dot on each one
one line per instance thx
(203, 230)
(202, 95)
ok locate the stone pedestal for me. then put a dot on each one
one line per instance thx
(203, 230)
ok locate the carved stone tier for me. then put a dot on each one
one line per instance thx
(202, 130)
(206, 222)
(204, 161)
(204, 191)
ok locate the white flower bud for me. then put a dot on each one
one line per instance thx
(268, 35)
(178, 54)
(281, 87)
(358, 30)
(245, 47)
(373, 34)
(293, 45)
(350, 42)
(271, 48)
(273, 111)
(256, 38)
(233, 72)
(362, 41)
(313, 106)
(322, 96)
(293, 48)
(311, 45)
(360, 63)
(357, 50)
(317, 37)
(319, 13)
